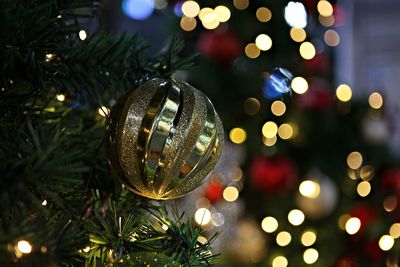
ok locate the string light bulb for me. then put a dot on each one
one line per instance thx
(82, 35)
(24, 247)
(269, 224)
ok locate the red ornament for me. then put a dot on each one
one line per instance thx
(316, 98)
(390, 180)
(214, 191)
(222, 46)
(273, 175)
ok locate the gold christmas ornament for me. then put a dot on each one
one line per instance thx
(164, 138)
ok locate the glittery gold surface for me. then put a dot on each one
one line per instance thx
(164, 139)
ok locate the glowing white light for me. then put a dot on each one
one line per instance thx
(24, 247)
(202, 216)
(164, 227)
(82, 35)
(353, 225)
(296, 15)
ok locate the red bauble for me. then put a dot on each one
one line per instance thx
(223, 46)
(390, 180)
(273, 175)
(318, 98)
(214, 191)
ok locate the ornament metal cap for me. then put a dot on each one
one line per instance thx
(164, 138)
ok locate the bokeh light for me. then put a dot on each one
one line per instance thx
(375, 100)
(103, 111)
(138, 9)
(296, 15)
(202, 216)
(269, 141)
(395, 230)
(308, 238)
(24, 247)
(390, 203)
(325, 8)
(307, 50)
(188, 24)
(386, 242)
(326, 21)
(190, 9)
(309, 189)
(223, 13)
(60, 97)
(285, 131)
(263, 42)
(343, 92)
(367, 172)
(298, 34)
(280, 261)
(364, 188)
(230, 193)
(283, 238)
(269, 224)
(252, 51)
(299, 85)
(278, 108)
(353, 225)
(251, 106)
(310, 256)
(354, 160)
(237, 135)
(82, 35)
(270, 129)
(296, 217)
(331, 38)
(241, 4)
(263, 14)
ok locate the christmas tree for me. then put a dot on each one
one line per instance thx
(309, 176)
(60, 203)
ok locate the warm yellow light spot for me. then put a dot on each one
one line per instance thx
(60, 97)
(307, 50)
(354, 160)
(188, 24)
(269, 224)
(43, 249)
(270, 141)
(280, 261)
(252, 51)
(210, 21)
(241, 4)
(44, 202)
(343, 220)
(204, 12)
(310, 256)
(202, 216)
(375, 100)
(343, 92)
(49, 57)
(326, 21)
(309, 189)
(299, 85)
(395, 230)
(263, 42)
(296, 217)
(86, 249)
(231, 193)
(24, 247)
(325, 8)
(353, 225)
(202, 239)
(190, 9)
(386, 242)
(164, 227)
(82, 35)
(367, 172)
(251, 106)
(283, 238)
(263, 14)
(298, 34)
(103, 111)
(278, 108)
(237, 135)
(308, 238)
(353, 174)
(331, 38)
(269, 129)
(223, 13)
(364, 188)
(285, 131)
(390, 203)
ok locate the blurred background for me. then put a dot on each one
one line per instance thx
(308, 95)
